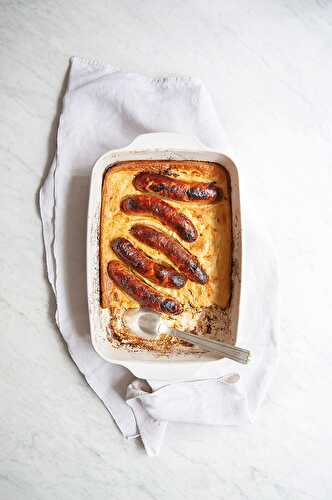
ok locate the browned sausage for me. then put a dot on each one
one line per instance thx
(184, 260)
(168, 215)
(144, 294)
(161, 274)
(175, 189)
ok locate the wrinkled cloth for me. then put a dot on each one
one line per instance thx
(104, 109)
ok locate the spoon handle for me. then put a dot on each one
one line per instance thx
(229, 351)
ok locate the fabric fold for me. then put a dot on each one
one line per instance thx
(103, 109)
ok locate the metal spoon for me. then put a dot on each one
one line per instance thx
(149, 325)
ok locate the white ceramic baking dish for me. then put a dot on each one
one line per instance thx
(144, 364)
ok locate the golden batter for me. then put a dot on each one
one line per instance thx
(204, 306)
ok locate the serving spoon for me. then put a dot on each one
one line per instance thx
(149, 325)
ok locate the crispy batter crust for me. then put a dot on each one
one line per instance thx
(213, 246)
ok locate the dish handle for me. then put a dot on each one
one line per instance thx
(166, 140)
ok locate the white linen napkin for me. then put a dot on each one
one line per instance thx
(105, 109)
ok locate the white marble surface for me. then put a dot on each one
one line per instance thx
(268, 65)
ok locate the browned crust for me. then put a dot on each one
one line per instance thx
(105, 282)
(166, 167)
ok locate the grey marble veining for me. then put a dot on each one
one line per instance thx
(268, 66)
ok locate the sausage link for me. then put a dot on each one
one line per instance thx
(168, 215)
(161, 274)
(175, 189)
(184, 260)
(144, 294)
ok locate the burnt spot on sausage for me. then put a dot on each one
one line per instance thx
(197, 194)
(169, 306)
(156, 188)
(178, 280)
(187, 234)
(129, 203)
(161, 274)
(116, 245)
(193, 265)
(202, 276)
(211, 192)
(175, 189)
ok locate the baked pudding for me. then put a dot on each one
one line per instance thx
(166, 244)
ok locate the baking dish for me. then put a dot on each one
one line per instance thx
(147, 364)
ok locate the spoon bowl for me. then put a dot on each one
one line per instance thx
(149, 325)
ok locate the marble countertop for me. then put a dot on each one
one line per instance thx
(268, 66)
